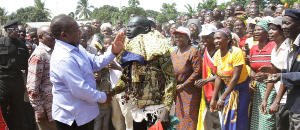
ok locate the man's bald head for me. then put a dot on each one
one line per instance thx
(137, 25)
(141, 21)
(43, 29)
(45, 36)
(61, 23)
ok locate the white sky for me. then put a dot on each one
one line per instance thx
(66, 6)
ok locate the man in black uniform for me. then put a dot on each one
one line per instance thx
(13, 59)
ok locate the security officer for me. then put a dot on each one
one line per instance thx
(13, 60)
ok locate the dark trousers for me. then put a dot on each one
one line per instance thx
(29, 118)
(62, 126)
(12, 101)
(282, 118)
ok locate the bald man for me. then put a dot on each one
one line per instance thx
(38, 85)
(75, 97)
(148, 78)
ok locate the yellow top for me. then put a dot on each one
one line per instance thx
(225, 65)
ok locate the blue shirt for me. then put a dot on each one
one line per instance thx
(74, 87)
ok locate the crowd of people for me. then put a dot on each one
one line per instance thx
(231, 70)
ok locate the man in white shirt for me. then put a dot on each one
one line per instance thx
(72, 70)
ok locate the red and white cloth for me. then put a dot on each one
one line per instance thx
(38, 85)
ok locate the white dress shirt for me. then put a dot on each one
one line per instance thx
(74, 87)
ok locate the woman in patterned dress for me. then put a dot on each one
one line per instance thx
(231, 70)
(260, 55)
(187, 64)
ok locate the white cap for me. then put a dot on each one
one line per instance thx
(183, 30)
(207, 29)
(105, 25)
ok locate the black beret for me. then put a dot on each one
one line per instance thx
(11, 22)
(294, 13)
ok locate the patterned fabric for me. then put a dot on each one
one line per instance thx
(148, 77)
(187, 69)
(3, 125)
(236, 112)
(38, 85)
(148, 45)
(97, 41)
(263, 24)
(260, 121)
(202, 112)
(236, 107)
(258, 59)
(208, 69)
(225, 65)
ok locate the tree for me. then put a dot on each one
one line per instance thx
(106, 13)
(127, 11)
(168, 12)
(207, 4)
(190, 9)
(3, 16)
(151, 13)
(41, 13)
(83, 9)
(133, 3)
(72, 14)
(290, 2)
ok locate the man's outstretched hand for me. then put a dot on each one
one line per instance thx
(108, 97)
(118, 43)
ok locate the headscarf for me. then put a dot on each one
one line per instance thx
(225, 31)
(243, 17)
(263, 24)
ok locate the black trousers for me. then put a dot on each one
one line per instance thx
(282, 118)
(62, 126)
(12, 101)
(29, 118)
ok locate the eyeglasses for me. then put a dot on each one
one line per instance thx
(13, 29)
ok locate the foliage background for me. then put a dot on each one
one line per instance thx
(107, 13)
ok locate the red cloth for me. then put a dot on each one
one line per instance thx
(3, 125)
(208, 66)
(242, 42)
(262, 57)
(157, 126)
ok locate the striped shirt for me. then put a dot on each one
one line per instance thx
(262, 57)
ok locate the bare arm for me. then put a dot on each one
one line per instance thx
(213, 102)
(274, 107)
(235, 78)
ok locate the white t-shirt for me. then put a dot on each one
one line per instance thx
(279, 60)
